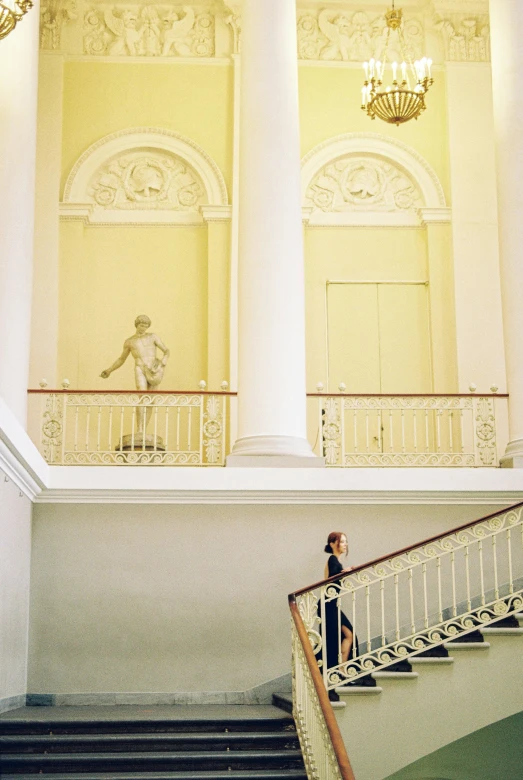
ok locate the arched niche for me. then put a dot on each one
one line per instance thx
(144, 176)
(369, 179)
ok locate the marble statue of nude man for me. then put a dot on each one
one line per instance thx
(148, 368)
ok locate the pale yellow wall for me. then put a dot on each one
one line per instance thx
(194, 100)
(111, 274)
(330, 105)
(179, 276)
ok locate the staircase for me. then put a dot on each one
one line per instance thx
(255, 743)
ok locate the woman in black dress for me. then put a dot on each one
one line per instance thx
(337, 547)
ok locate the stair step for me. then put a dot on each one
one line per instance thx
(27, 725)
(467, 645)
(358, 690)
(427, 659)
(385, 675)
(248, 774)
(493, 630)
(283, 700)
(182, 741)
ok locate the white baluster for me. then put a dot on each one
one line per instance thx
(367, 602)
(178, 411)
(509, 551)
(189, 428)
(122, 413)
(451, 431)
(382, 595)
(425, 600)
(340, 635)
(411, 593)
(87, 428)
(453, 572)
(403, 448)
(467, 570)
(379, 430)
(155, 428)
(427, 437)
(110, 433)
(481, 573)
(397, 598)
(133, 426)
(461, 433)
(76, 411)
(438, 430)
(415, 414)
(98, 429)
(323, 632)
(355, 427)
(495, 562)
(391, 431)
(354, 648)
(440, 602)
(367, 436)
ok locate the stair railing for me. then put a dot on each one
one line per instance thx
(414, 600)
(322, 746)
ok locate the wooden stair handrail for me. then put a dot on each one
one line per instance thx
(404, 550)
(326, 708)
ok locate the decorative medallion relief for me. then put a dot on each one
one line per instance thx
(466, 38)
(148, 31)
(147, 179)
(353, 36)
(354, 183)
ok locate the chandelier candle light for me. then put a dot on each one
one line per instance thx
(11, 11)
(400, 101)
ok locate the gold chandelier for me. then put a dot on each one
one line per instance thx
(11, 11)
(403, 99)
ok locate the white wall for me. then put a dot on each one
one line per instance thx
(188, 598)
(15, 553)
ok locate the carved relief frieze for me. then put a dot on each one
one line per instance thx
(365, 183)
(54, 15)
(353, 36)
(466, 38)
(149, 31)
(147, 179)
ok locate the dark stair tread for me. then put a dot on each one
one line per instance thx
(135, 726)
(239, 774)
(148, 755)
(473, 637)
(187, 736)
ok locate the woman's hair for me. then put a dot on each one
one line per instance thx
(333, 538)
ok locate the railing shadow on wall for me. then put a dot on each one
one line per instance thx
(405, 604)
(193, 428)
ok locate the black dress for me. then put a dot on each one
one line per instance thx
(331, 629)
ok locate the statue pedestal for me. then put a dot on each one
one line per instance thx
(139, 441)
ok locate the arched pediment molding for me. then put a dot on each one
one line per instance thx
(144, 176)
(369, 179)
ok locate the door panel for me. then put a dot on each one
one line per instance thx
(405, 363)
(353, 337)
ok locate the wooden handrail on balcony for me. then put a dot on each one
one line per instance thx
(403, 550)
(330, 719)
(337, 394)
(35, 391)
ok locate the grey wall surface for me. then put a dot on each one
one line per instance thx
(189, 598)
(15, 554)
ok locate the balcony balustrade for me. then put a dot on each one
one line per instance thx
(192, 428)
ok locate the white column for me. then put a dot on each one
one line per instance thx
(506, 18)
(18, 94)
(271, 294)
